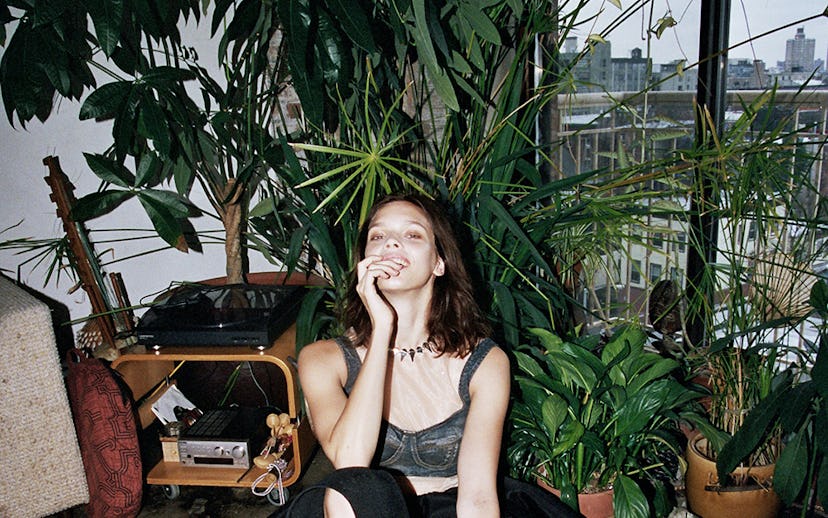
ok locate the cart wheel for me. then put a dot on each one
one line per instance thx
(172, 491)
(273, 497)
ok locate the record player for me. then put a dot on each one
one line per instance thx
(233, 314)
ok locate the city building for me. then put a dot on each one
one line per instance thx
(746, 74)
(631, 74)
(592, 73)
(673, 77)
(799, 53)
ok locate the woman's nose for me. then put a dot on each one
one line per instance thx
(392, 242)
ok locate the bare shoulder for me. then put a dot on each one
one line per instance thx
(493, 370)
(496, 361)
(322, 354)
(322, 358)
(319, 351)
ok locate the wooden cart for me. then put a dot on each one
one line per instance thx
(144, 371)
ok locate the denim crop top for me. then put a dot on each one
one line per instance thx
(433, 451)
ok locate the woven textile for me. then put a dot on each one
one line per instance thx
(108, 440)
(39, 454)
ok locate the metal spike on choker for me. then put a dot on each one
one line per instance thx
(412, 352)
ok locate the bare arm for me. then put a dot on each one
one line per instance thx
(347, 427)
(480, 449)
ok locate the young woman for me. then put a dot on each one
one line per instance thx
(415, 388)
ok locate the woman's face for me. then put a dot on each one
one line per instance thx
(401, 232)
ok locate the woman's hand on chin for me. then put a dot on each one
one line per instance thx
(369, 270)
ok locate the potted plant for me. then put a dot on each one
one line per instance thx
(757, 285)
(593, 413)
(798, 405)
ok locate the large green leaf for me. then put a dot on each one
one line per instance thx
(613, 355)
(819, 297)
(628, 500)
(502, 215)
(792, 467)
(33, 66)
(422, 35)
(571, 433)
(147, 169)
(797, 406)
(296, 17)
(640, 407)
(444, 87)
(550, 341)
(527, 364)
(482, 24)
(107, 16)
(171, 201)
(554, 412)
(153, 125)
(244, 20)
(98, 203)
(164, 76)
(296, 246)
(819, 372)
(109, 170)
(103, 103)
(309, 320)
(504, 301)
(220, 8)
(331, 56)
(354, 21)
(751, 433)
(164, 222)
(659, 369)
(569, 494)
(427, 55)
(48, 12)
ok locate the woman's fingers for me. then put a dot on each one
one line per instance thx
(375, 267)
(368, 271)
(372, 268)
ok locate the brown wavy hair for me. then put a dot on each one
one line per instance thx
(455, 323)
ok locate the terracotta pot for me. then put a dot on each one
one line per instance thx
(703, 498)
(592, 505)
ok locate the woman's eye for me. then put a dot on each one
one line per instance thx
(374, 237)
(414, 235)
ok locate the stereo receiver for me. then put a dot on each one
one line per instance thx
(224, 437)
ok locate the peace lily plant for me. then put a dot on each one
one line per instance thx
(594, 412)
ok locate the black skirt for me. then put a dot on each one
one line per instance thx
(375, 494)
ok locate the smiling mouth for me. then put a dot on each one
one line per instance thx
(396, 259)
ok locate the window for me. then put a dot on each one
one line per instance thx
(681, 237)
(655, 272)
(635, 274)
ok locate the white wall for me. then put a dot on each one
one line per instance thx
(24, 195)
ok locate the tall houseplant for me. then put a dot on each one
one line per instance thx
(798, 406)
(768, 210)
(592, 414)
(173, 120)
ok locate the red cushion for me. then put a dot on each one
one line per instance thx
(106, 426)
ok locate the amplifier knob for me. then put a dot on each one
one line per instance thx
(238, 452)
(218, 451)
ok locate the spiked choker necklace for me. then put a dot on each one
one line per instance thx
(404, 353)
